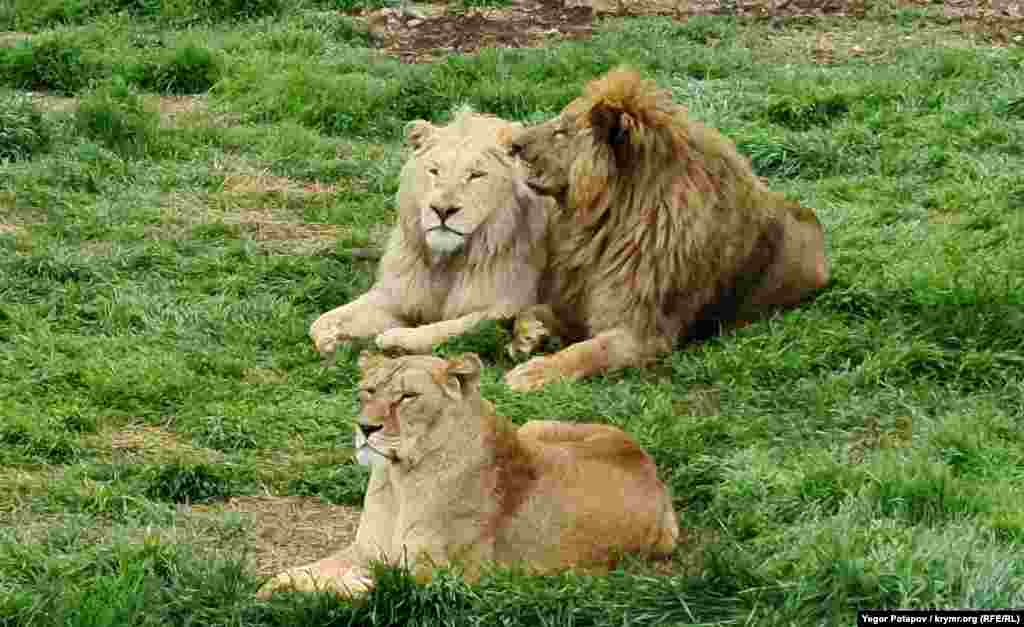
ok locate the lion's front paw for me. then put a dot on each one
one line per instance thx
(327, 338)
(352, 583)
(529, 334)
(533, 374)
(405, 339)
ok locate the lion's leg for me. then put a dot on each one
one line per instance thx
(799, 268)
(365, 317)
(423, 338)
(607, 351)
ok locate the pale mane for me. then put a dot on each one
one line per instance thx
(498, 237)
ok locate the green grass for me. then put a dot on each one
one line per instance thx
(158, 276)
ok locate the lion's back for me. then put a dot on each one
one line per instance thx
(596, 495)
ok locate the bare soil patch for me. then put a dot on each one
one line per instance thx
(429, 32)
(291, 530)
(255, 203)
(9, 39)
(137, 443)
(524, 24)
(53, 104)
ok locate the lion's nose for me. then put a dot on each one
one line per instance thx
(445, 212)
(369, 430)
(515, 150)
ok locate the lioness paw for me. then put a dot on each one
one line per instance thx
(304, 580)
(533, 374)
(405, 339)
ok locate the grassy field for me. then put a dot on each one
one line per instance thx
(180, 183)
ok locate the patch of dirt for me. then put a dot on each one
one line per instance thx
(428, 37)
(9, 228)
(10, 39)
(135, 443)
(266, 182)
(291, 530)
(428, 32)
(276, 228)
(874, 435)
(262, 226)
(52, 104)
(177, 111)
(264, 376)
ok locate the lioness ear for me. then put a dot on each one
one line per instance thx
(466, 368)
(368, 360)
(611, 125)
(418, 132)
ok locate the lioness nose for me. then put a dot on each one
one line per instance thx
(514, 149)
(369, 430)
(445, 212)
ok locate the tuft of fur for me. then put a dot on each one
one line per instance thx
(661, 223)
(452, 482)
(469, 243)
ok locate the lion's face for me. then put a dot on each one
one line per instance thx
(402, 400)
(454, 178)
(549, 149)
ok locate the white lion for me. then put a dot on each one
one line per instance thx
(469, 244)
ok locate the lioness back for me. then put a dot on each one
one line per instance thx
(602, 486)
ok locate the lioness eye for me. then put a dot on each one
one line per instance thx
(476, 175)
(434, 171)
(407, 396)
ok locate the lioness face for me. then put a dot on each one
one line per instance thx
(459, 186)
(402, 399)
(549, 150)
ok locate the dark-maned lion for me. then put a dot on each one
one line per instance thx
(662, 225)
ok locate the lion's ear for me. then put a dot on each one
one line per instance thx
(368, 360)
(612, 125)
(418, 132)
(466, 368)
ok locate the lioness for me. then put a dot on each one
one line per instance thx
(469, 244)
(452, 482)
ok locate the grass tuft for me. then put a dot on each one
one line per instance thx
(190, 483)
(115, 115)
(24, 133)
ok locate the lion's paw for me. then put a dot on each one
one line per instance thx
(350, 584)
(529, 334)
(533, 374)
(406, 340)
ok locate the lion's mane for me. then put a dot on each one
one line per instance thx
(661, 225)
(485, 266)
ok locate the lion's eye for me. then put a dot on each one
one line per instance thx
(560, 132)
(408, 396)
(434, 171)
(476, 174)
